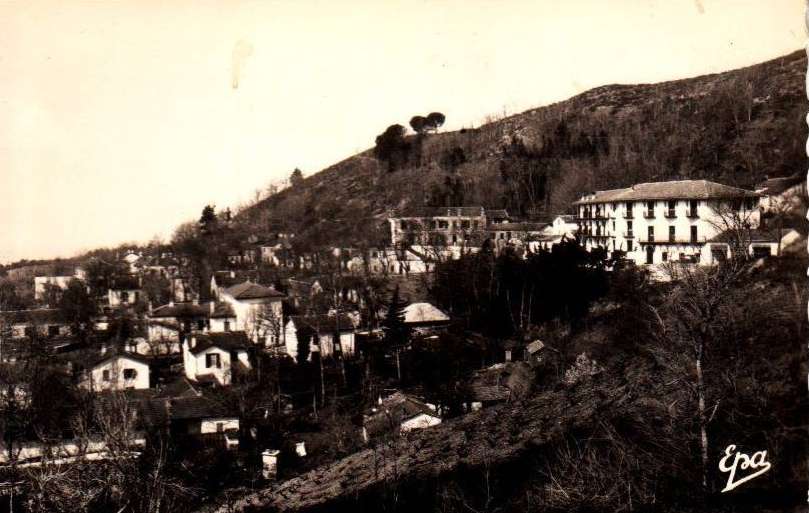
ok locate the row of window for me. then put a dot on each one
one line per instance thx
(597, 211)
(650, 232)
(441, 224)
(129, 374)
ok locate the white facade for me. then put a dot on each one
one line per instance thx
(118, 372)
(420, 421)
(213, 361)
(656, 231)
(323, 343)
(219, 425)
(123, 297)
(42, 282)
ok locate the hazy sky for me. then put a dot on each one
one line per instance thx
(119, 120)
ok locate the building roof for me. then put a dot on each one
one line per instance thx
(773, 186)
(230, 278)
(442, 212)
(534, 346)
(324, 323)
(501, 382)
(497, 213)
(99, 358)
(37, 315)
(677, 189)
(417, 313)
(228, 341)
(159, 410)
(395, 409)
(250, 290)
(758, 235)
(517, 227)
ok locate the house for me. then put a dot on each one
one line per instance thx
(759, 243)
(220, 280)
(124, 291)
(42, 283)
(561, 228)
(215, 357)
(436, 225)
(502, 382)
(783, 195)
(196, 416)
(328, 335)
(425, 318)
(660, 222)
(398, 413)
(116, 371)
(302, 292)
(169, 322)
(258, 311)
(45, 322)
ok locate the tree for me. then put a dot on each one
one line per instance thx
(296, 178)
(397, 332)
(78, 308)
(208, 219)
(391, 147)
(434, 121)
(418, 124)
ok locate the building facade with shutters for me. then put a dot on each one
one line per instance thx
(661, 222)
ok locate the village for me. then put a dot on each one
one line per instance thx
(283, 356)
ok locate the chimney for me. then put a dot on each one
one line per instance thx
(269, 462)
(212, 306)
(171, 302)
(192, 343)
(103, 348)
(300, 449)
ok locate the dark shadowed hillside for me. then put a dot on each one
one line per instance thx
(735, 127)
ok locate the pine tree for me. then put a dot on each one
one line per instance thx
(396, 331)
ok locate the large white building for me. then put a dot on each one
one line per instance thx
(655, 223)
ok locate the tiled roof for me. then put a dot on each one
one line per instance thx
(778, 185)
(323, 323)
(678, 189)
(229, 341)
(229, 278)
(416, 313)
(250, 290)
(394, 410)
(98, 359)
(180, 387)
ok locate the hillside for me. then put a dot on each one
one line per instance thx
(735, 127)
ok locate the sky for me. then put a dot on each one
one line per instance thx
(121, 120)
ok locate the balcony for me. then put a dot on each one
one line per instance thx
(629, 235)
(628, 215)
(670, 214)
(649, 215)
(692, 214)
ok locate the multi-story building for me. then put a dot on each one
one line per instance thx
(655, 223)
(438, 226)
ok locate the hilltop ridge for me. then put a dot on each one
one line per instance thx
(735, 127)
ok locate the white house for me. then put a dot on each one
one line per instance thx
(655, 223)
(257, 311)
(125, 291)
(41, 283)
(45, 322)
(116, 372)
(424, 317)
(327, 335)
(215, 357)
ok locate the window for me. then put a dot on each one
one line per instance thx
(629, 206)
(693, 234)
(692, 208)
(200, 324)
(124, 297)
(761, 251)
(227, 325)
(665, 256)
(212, 360)
(29, 331)
(629, 229)
(130, 373)
(650, 254)
(53, 331)
(629, 246)
(650, 209)
(105, 375)
(672, 205)
(651, 233)
(465, 225)
(671, 233)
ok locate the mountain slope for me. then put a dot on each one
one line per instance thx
(735, 127)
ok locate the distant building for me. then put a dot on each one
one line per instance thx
(41, 284)
(125, 291)
(328, 335)
(660, 222)
(170, 322)
(258, 311)
(425, 318)
(44, 322)
(783, 195)
(437, 226)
